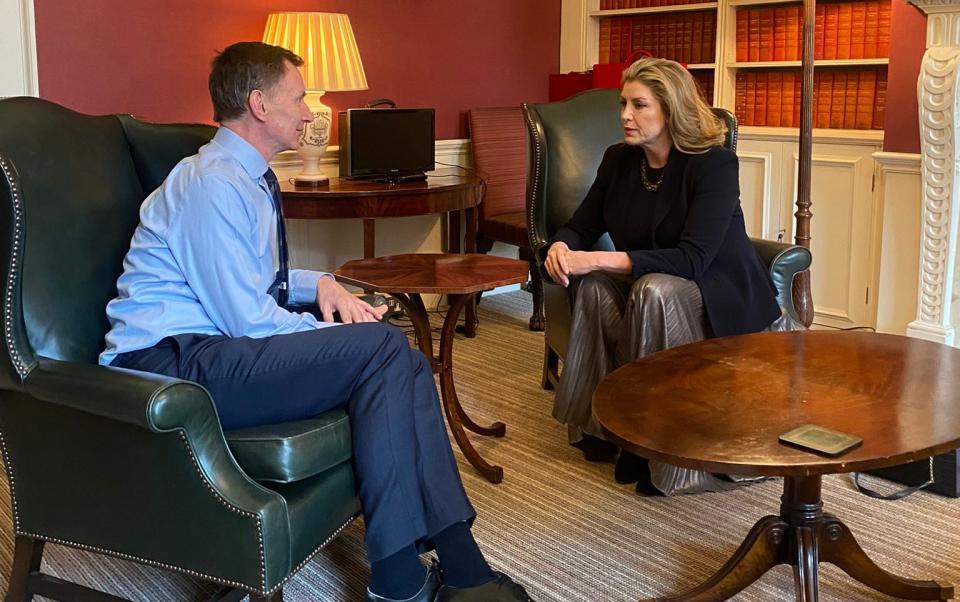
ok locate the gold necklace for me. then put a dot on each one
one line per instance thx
(651, 186)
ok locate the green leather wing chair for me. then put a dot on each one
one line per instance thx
(121, 462)
(566, 141)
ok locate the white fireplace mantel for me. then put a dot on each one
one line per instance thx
(939, 105)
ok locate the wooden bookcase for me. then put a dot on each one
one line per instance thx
(746, 54)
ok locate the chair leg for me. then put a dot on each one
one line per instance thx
(536, 289)
(27, 555)
(551, 368)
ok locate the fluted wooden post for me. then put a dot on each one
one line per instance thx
(802, 294)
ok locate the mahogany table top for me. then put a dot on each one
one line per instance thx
(433, 273)
(343, 198)
(720, 404)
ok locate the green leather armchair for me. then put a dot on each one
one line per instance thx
(566, 141)
(116, 461)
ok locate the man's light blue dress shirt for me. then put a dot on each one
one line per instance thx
(204, 255)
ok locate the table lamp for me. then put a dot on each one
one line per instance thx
(331, 63)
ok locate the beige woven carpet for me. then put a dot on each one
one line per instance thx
(561, 525)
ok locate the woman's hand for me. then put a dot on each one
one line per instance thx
(332, 297)
(562, 263)
(556, 263)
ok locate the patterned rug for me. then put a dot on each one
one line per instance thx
(562, 526)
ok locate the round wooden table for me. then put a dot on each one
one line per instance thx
(341, 198)
(719, 405)
(459, 277)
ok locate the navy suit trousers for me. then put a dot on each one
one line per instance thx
(409, 485)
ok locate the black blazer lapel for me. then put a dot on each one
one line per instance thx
(669, 187)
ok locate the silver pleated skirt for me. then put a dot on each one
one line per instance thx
(618, 319)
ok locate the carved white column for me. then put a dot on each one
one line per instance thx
(939, 105)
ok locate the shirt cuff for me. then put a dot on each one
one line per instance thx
(303, 286)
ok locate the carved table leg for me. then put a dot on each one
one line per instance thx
(456, 416)
(417, 312)
(838, 546)
(27, 556)
(803, 536)
(764, 548)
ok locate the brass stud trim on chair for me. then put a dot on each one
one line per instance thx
(11, 482)
(232, 508)
(18, 362)
(535, 243)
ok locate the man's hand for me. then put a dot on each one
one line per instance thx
(562, 263)
(332, 297)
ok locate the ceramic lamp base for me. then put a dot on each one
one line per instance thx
(314, 141)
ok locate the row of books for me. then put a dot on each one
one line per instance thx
(619, 4)
(843, 30)
(704, 80)
(842, 99)
(684, 37)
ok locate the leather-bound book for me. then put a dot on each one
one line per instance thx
(866, 94)
(760, 113)
(604, 56)
(697, 42)
(794, 19)
(750, 113)
(774, 92)
(709, 50)
(844, 30)
(871, 30)
(766, 34)
(743, 34)
(880, 103)
(740, 98)
(780, 34)
(824, 86)
(883, 29)
(832, 20)
(819, 28)
(850, 103)
(838, 101)
(787, 99)
(754, 39)
(858, 31)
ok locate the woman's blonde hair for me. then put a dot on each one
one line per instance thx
(692, 125)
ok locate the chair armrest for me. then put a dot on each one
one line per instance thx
(784, 262)
(151, 401)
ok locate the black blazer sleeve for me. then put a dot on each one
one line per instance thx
(714, 193)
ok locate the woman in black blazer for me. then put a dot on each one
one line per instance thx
(683, 270)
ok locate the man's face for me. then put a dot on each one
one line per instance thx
(287, 112)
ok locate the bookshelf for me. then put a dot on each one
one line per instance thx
(744, 52)
(846, 205)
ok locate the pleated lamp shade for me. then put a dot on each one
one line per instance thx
(325, 42)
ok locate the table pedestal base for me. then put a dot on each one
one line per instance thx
(803, 536)
(443, 365)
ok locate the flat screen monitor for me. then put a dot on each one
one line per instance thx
(386, 143)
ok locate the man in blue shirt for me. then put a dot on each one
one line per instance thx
(204, 295)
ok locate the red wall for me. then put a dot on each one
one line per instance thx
(152, 58)
(908, 37)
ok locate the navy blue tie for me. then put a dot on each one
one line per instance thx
(279, 289)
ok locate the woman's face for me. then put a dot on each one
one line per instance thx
(644, 123)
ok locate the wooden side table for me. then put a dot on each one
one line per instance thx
(459, 277)
(450, 195)
(719, 405)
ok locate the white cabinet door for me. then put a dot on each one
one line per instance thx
(843, 227)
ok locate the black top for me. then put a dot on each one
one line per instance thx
(695, 231)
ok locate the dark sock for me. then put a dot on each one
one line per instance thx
(399, 576)
(461, 561)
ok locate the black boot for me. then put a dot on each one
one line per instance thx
(630, 468)
(596, 449)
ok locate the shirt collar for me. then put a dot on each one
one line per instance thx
(249, 158)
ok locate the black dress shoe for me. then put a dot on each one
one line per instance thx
(501, 589)
(630, 468)
(596, 449)
(427, 593)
